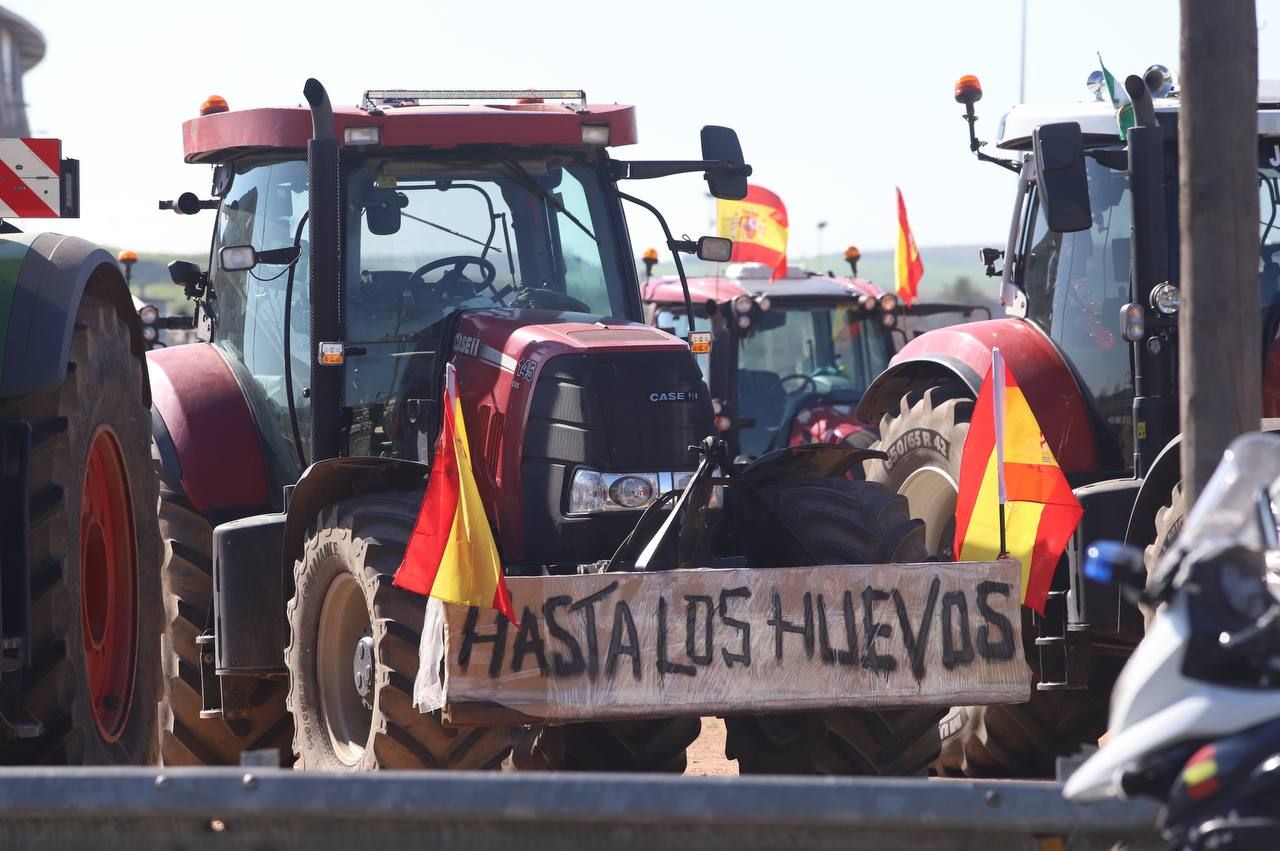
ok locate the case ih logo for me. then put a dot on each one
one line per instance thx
(674, 396)
(918, 438)
(466, 344)
(30, 178)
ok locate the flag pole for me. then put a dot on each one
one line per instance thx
(997, 398)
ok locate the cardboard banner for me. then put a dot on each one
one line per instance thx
(718, 641)
(694, 642)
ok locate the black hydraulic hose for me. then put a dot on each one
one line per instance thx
(684, 282)
(288, 346)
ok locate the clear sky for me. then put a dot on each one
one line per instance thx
(835, 102)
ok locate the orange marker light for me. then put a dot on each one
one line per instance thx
(968, 89)
(214, 104)
(650, 255)
(127, 256)
(852, 253)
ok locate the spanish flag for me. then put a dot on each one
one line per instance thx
(1012, 494)
(908, 268)
(758, 227)
(451, 553)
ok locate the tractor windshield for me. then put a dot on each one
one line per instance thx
(428, 238)
(791, 352)
(1077, 283)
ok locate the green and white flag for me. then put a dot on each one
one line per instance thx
(1120, 100)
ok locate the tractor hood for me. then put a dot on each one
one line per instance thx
(546, 394)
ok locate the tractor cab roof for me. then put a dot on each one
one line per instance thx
(752, 279)
(1097, 119)
(415, 119)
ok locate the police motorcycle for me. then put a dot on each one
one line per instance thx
(1195, 714)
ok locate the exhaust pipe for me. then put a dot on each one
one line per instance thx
(324, 232)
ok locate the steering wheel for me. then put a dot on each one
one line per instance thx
(454, 276)
(807, 383)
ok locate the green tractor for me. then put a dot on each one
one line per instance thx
(81, 614)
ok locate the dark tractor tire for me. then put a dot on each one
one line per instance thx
(1169, 520)
(654, 745)
(345, 604)
(924, 440)
(94, 559)
(1024, 740)
(187, 572)
(841, 522)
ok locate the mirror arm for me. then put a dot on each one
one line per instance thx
(649, 169)
(675, 254)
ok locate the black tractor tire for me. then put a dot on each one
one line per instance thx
(652, 745)
(927, 432)
(1009, 740)
(841, 522)
(1024, 740)
(1169, 520)
(350, 556)
(101, 395)
(187, 573)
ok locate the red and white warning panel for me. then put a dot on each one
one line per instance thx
(31, 179)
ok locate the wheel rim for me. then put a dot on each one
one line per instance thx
(931, 497)
(343, 654)
(108, 586)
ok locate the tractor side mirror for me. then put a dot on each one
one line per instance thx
(1064, 188)
(715, 249)
(382, 210)
(720, 144)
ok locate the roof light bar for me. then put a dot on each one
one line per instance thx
(375, 98)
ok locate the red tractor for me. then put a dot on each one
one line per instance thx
(791, 357)
(1089, 281)
(356, 252)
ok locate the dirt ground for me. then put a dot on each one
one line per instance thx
(706, 755)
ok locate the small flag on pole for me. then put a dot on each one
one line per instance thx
(758, 227)
(1013, 497)
(451, 554)
(908, 267)
(1125, 117)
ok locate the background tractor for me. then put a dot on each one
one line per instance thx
(421, 228)
(1090, 284)
(791, 357)
(80, 606)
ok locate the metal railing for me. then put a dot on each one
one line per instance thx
(279, 809)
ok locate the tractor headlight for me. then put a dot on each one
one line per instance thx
(888, 302)
(742, 304)
(149, 333)
(1166, 298)
(632, 491)
(148, 313)
(593, 492)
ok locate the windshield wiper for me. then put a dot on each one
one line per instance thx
(453, 232)
(525, 179)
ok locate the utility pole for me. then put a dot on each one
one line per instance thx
(1219, 333)
(1022, 58)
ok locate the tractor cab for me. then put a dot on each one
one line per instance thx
(356, 250)
(791, 357)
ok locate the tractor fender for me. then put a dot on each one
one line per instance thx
(963, 352)
(204, 432)
(54, 273)
(329, 482)
(1165, 472)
